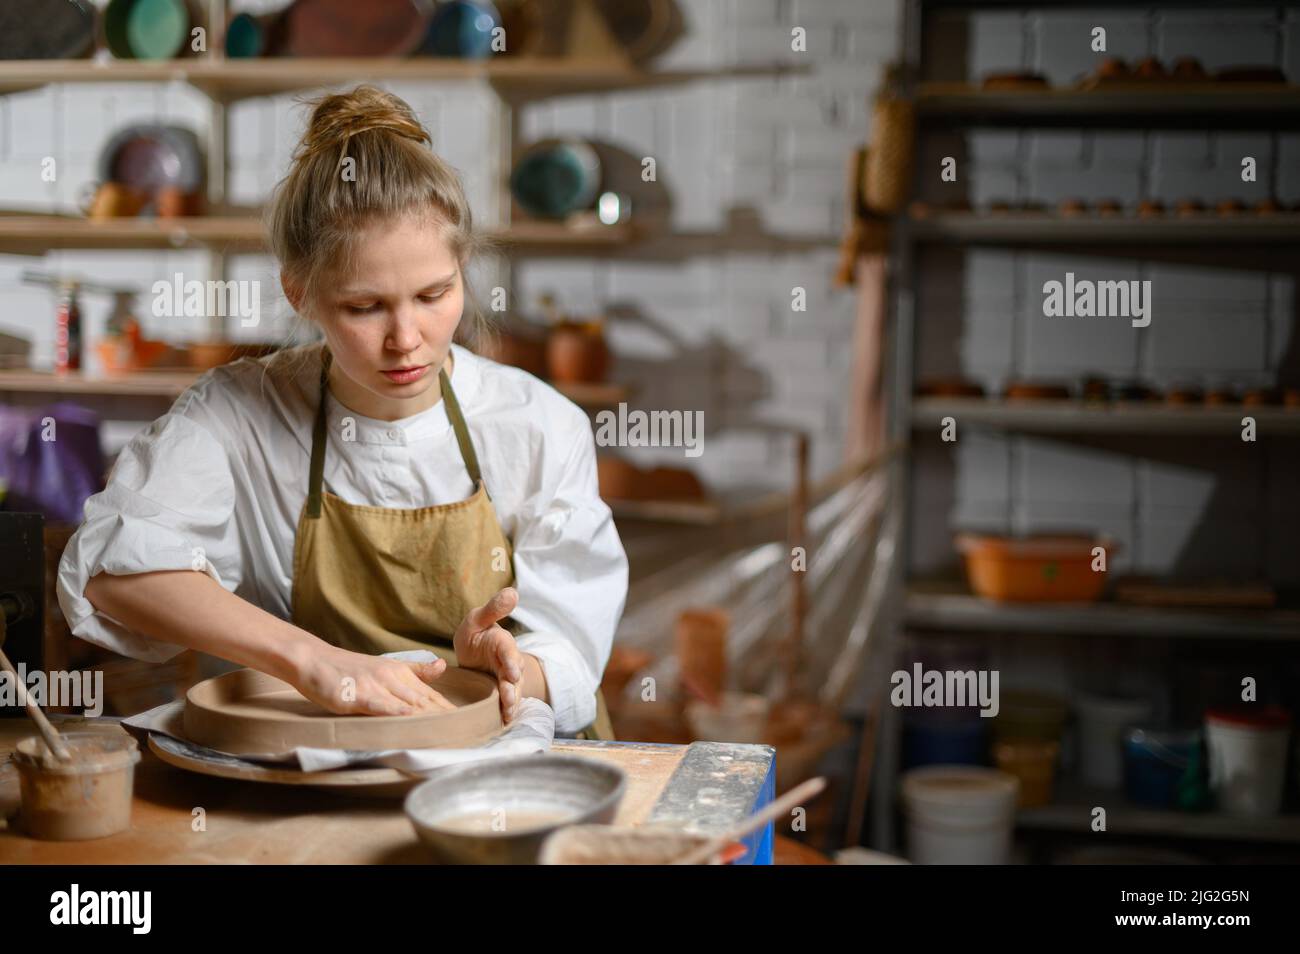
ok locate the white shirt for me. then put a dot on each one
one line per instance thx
(218, 483)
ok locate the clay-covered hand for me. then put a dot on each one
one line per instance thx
(351, 683)
(481, 643)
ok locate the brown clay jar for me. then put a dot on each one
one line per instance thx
(701, 642)
(517, 349)
(576, 353)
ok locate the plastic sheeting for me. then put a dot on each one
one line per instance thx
(850, 541)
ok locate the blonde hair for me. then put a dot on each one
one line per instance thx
(316, 212)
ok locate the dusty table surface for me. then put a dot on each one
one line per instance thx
(257, 823)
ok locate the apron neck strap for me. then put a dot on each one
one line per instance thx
(457, 419)
(318, 436)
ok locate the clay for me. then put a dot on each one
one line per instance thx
(1014, 80)
(89, 797)
(1150, 68)
(1189, 69)
(247, 712)
(610, 845)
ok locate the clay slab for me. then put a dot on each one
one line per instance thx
(248, 712)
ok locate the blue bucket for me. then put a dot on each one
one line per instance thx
(944, 740)
(1163, 768)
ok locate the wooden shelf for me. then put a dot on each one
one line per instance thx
(696, 512)
(171, 383)
(168, 384)
(594, 395)
(943, 606)
(229, 80)
(1072, 812)
(1138, 104)
(1120, 417)
(34, 234)
(1048, 228)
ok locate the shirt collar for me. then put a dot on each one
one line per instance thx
(431, 422)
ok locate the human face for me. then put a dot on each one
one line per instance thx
(390, 323)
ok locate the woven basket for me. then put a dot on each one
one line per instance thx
(887, 173)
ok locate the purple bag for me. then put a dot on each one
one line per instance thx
(53, 477)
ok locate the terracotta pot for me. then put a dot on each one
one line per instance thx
(206, 355)
(618, 479)
(701, 641)
(114, 200)
(517, 349)
(577, 353)
(672, 483)
(623, 665)
(171, 203)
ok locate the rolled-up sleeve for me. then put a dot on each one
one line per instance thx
(168, 505)
(571, 574)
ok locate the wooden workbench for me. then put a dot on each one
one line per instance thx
(706, 786)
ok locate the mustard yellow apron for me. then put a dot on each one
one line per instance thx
(378, 579)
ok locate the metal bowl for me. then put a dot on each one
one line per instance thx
(500, 811)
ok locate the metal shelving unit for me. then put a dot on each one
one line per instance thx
(920, 605)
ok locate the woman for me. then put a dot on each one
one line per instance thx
(385, 490)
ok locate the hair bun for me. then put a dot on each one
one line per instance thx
(338, 117)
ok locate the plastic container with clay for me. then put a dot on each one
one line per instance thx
(89, 797)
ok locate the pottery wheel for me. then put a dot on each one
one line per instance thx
(248, 712)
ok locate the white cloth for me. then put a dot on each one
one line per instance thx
(217, 485)
(531, 732)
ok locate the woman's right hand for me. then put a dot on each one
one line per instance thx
(351, 683)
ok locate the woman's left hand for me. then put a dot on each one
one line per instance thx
(482, 644)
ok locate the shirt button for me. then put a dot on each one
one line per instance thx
(393, 434)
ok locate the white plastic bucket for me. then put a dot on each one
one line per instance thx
(959, 814)
(1247, 762)
(1102, 721)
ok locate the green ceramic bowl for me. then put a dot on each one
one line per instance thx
(157, 29)
(115, 19)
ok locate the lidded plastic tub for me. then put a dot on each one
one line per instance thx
(1247, 748)
(959, 814)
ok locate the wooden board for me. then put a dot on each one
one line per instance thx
(249, 712)
(183, 818)
(378, 781)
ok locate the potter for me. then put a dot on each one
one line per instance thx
(459, 514)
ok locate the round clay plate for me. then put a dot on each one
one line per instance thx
(248, 712)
